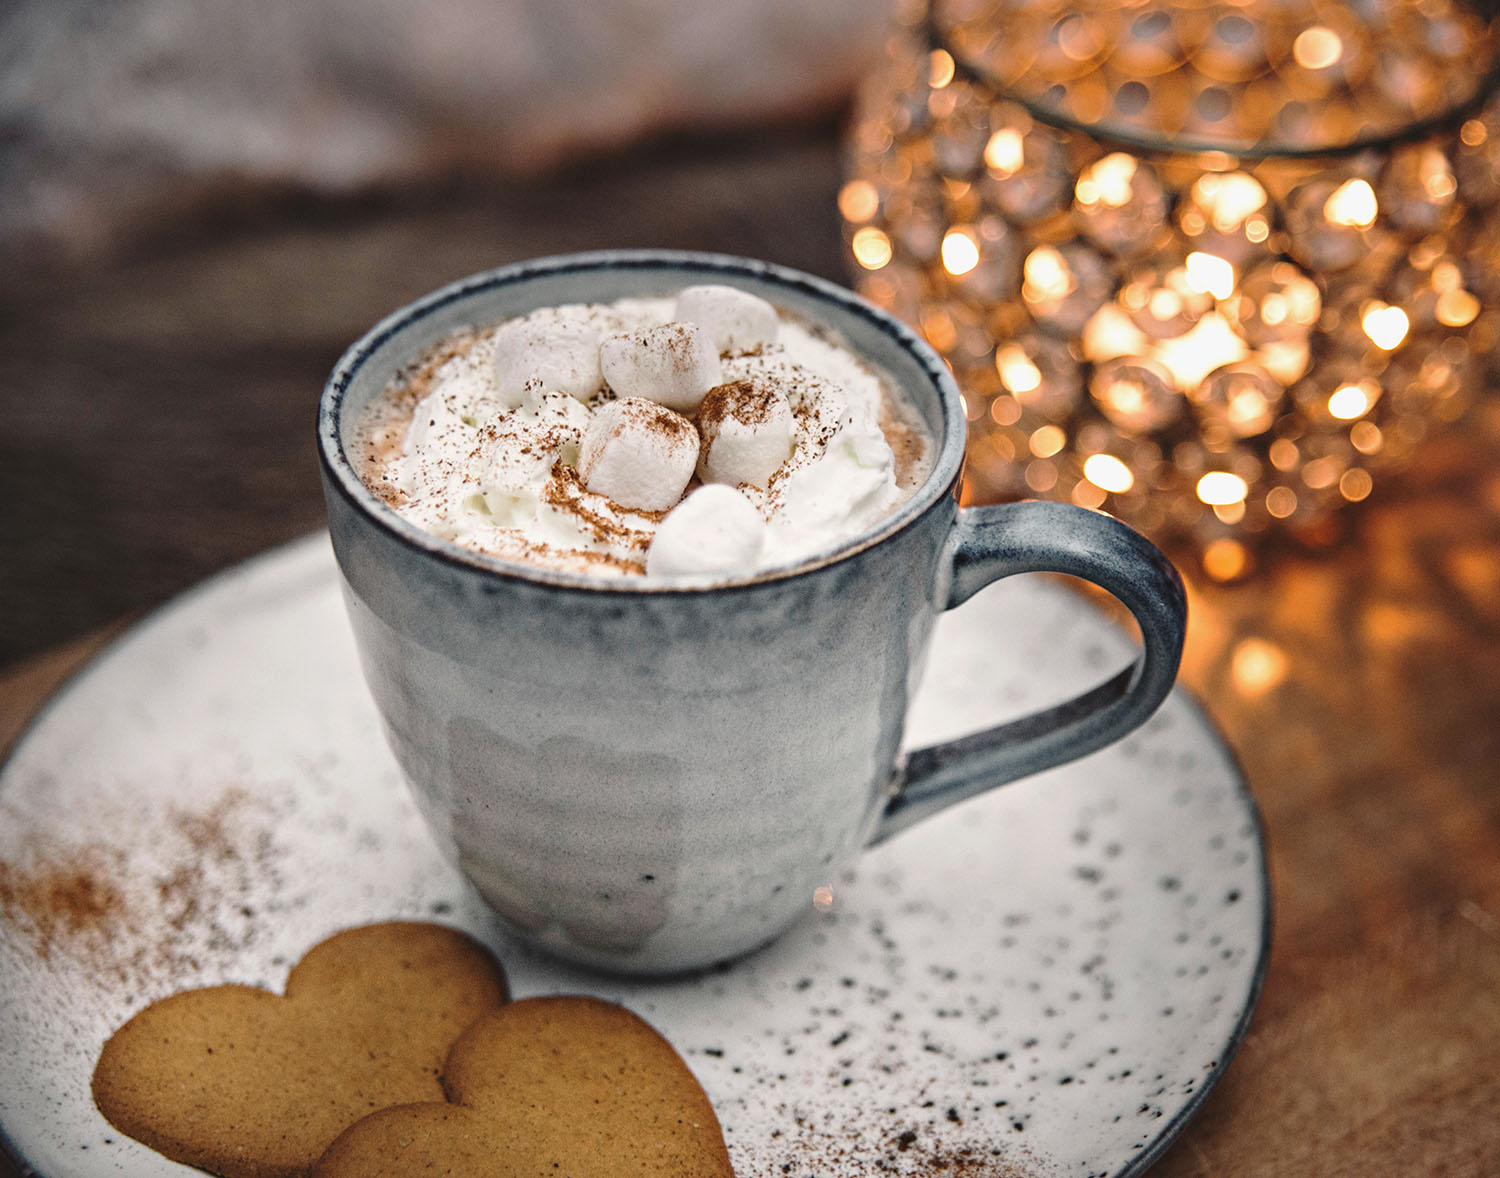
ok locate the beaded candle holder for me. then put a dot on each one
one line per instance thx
(1210, 267)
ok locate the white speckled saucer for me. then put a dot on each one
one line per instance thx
(1045, 980)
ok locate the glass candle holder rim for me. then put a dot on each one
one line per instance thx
(1137, 140)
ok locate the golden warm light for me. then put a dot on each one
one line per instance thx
(1365, 436)
(1257, 666)
(1135, 394)
(1108, 182)
(1085, 494)
(1048, 440)
(1110, 333)
(1281, 502)
(1285, 360)
(1317, 48)
(1385, 325)
(1215, 270)
(872, 248)
(1225, 559)
(940, 68)
(1294, 302)
(1456, 308)
(1005, 152)
(1210, 274)
(960, 251)
(1352, 204)
(1229, 198)
(1108, 473)
(1210, 344)
(1355, 484)
(1220, 488)
(1006, 411)
(1047, 275)
(858, 200)
(1437, 177)
(938, 326)
(1248, 411)
(1017, 370)
(1351, 401)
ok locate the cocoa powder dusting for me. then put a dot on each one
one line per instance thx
(656, 419)
(749, 400)
(62, 901)
(382, 431)
(565, 489)
(679, 340)
(88, 902)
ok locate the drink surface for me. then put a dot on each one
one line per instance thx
(703, 435)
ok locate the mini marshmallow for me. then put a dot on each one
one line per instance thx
(673, 364)
(734, 320)
(638, 453)
(552, 354)
(715, 530)
(747, 428)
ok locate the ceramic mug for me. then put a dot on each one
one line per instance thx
(651, 779)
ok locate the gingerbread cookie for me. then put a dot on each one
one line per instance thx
(249, 1084)
(542, 1088)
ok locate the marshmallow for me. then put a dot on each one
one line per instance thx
(734, 320)
(714, 530)
(747, 429)
(638, 453)
(550, 354)
(673, 364)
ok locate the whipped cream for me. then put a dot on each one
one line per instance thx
(507, 440)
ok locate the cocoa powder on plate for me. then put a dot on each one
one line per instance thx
(86, 903)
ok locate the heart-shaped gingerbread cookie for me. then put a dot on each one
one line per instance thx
(567, 1087)
(249, 1084)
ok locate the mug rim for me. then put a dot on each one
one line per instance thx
(339, 472)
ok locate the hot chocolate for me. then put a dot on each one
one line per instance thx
(656, 772)
(709, 434)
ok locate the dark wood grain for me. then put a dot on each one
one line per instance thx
(1376, 1050)
(1360, 687)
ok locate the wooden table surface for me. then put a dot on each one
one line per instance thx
(157, 426)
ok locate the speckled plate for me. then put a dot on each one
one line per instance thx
(1044, 980)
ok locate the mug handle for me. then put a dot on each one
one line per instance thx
(988, 543)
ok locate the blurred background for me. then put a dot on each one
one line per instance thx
(202, 204)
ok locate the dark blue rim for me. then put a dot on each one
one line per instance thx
(340, 475)
(1152, 1151)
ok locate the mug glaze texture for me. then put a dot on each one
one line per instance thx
(651, 779)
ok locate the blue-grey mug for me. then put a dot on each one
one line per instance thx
(649, 778)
